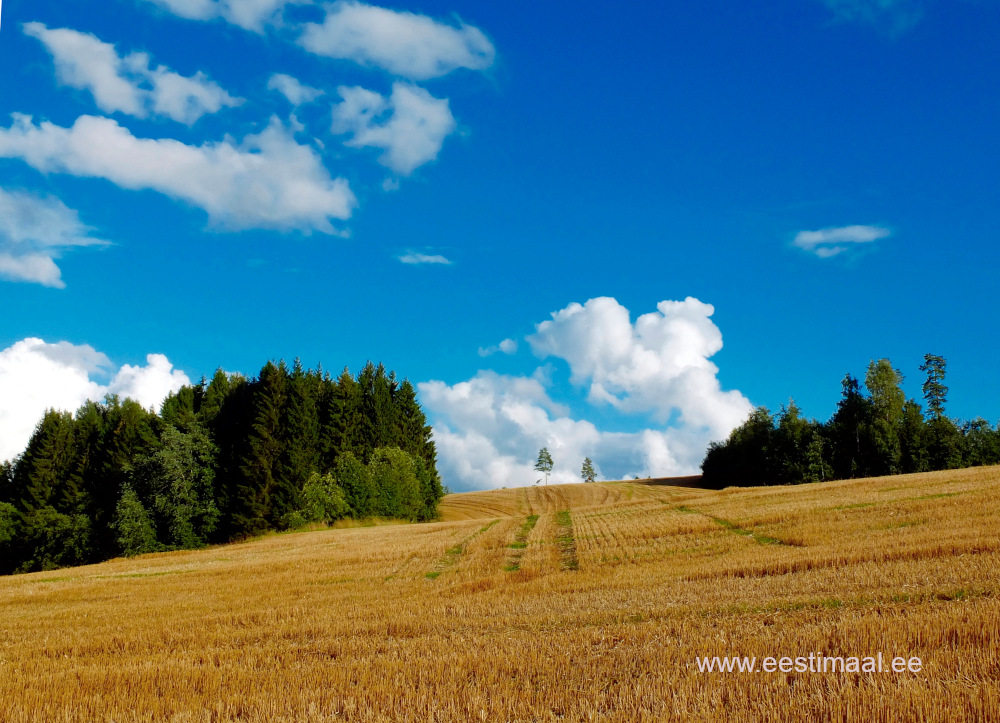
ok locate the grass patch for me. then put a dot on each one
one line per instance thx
(736, 529)
(452, 554)
(520, 543)
(566, 542)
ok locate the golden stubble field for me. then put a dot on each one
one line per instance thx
(577, 603)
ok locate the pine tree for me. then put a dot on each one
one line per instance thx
(935, 391)
(544, 463)
(587, 471)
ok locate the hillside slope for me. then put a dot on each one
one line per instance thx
(578, 602)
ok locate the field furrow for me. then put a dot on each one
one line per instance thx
(476, 617)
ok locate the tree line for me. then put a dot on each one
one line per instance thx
(874, 431)
(224, 459)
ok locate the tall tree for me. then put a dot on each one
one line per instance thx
(129, 433)
(301, 428)
(44, 476)
(913, 439)
(587, 471)
(850, 431)
(259, 500)
(177, 480)
(342, 415)
(887, 401)
(544, 463)
(935, 391)
(748, 457)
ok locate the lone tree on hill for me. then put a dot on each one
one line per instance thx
(544, 463)
(588, 472)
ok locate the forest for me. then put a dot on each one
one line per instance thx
(223, 460)
(875, 431)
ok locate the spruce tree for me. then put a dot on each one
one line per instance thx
(45, 475)
(300, 428)
(258, 501)
(587, 471)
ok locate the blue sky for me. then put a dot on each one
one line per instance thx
(224, 182)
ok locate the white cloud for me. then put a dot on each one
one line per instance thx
(488, 430)
(252, 15)
(35, 376)
(410, 125)
(659, 365)
(405, 44)
(418, 258)
(34, 231)
(296, 93)
(128, 83)
(507, 346)
(148, 385)
(267, 181)
(829, 242)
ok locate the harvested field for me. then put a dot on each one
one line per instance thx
(581, 602)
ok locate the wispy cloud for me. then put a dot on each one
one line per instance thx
(34, 232)
(405, 44)
(829, 242)
(266, 181)
(294, 91)
(129, 83)
(418, 258)
(507, 346)
(252, 15)
(894, 16)
(409, 126)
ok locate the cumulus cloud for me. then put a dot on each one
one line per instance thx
(267, 181)
(128, 83)
(415, 258)
(410, 125)
(34, 231)
(895, 16)
(252, 15)
(35, 376)
(507, 346)
(829, 242)
(658, 365)
(405, 44)
(294, 91)
(488, 430)
(148, 385)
